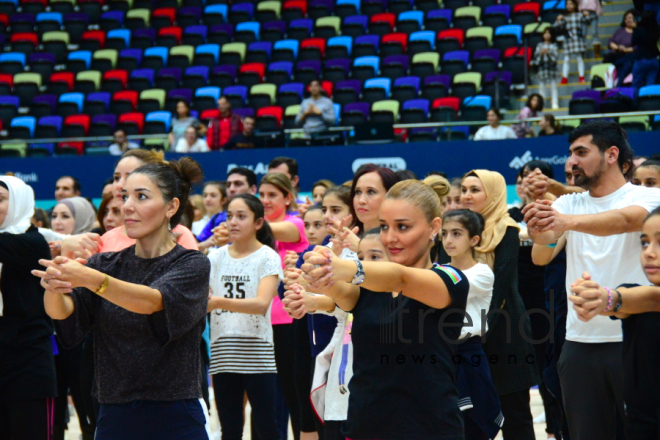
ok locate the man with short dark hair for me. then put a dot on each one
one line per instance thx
(246, 139)
(239, 181)
(121, 145)
(317, 112)
(602, 227)
(66, 187)
(223, 128)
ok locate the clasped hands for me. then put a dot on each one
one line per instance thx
(63, 274)
(589, 298)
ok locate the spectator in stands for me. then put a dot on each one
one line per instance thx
(548, 126)
(645, 40)
(191, 143)
(647, 174)
(66, 187)
(109, 213)
(621, 46)
(574, 27)
(545, 57)
(319, 188)
(531, 110)
(183, 120)
(316, 112)
(40, 219)
(494, 131)
(595, 9)
(246, 139)
(122, 144)
(221, 130)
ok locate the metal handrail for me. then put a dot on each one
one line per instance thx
(341, 129)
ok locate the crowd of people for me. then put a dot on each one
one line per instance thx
(384, 307)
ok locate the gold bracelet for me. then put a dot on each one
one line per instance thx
(104, 285)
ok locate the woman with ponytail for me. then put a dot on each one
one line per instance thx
(407, 314)
(244, 280)
(146, 305)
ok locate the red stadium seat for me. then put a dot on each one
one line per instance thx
(93, 36)
(518, 52)
(124, 102)
(268, 114)
(327, 86)
(212, 113)
(452, 38)
(390, 40)
(257, 68)
(74, 126)
(311, 46)
(163, 17)
(296, 4)
(169, 33)
(25, 36)
(117, 78)
(449, 101)
(132, 123)
(62, 79)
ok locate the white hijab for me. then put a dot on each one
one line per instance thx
(21, 206)
(19, 211)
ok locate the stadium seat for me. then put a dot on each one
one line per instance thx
(466, 84)
(320, 8)
(181, 56)
(327, 27)
(269, 118)
(393, 44)
(485, 61)
(12, 62)
(450, 40)
(366, 45)
(268, 11)
(365, 67)
(376, 89)
(259, 52)
(454, 62)
(337, 69)
(223, 76)
(584, 102)
(438, 20)
(410, 21)
(467, 17)
(394, 66)
(169, 36)
(60, 82)
(195, 77)
(346, 92)
(250, 74)
(87, 82)
(507, 36)
(97, 103)
(233, 53)
(48, 127)
(339, 47)
(279, 72)
(290, 94)
(118, 39)
(290, 114)
(26, 86)
(355, 113)
(123, 102)
(648, 99)
(445, 109)
(386, 111)
(496, 15)
(414, 111)
(355, 25)
(131, 123)
(422, 41)
(382, 24)
(43, 105)
(602, 76)
(425, 64)
(406, 88)
(526, 13)
(285, 50)
(22, 127)
(8, 109)
(157, 122)
(247, 32)
(634, 124)
(478, 38)
(151, 100)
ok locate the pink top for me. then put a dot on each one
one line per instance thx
(115, 241)
(277, 313)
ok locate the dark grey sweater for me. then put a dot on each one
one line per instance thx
(145, 357)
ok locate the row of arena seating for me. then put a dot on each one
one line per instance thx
(269, 10)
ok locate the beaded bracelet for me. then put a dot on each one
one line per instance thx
(552, 245)
(609, 299)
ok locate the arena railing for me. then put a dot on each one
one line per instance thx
(293, 131)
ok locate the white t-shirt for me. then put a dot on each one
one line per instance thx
(488, 133)
(200, 146)
(610, 260)
(240, 342)
(199, 225)
(481, 280)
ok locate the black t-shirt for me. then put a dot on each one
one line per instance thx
(240, 141)
(403, 376)
(145, 357)
(641, 358)
(27, 368)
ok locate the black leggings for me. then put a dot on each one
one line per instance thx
(284, 359)
(87, 380)
(303, 369)
(26, 419)
(67, 367)
(229, 389)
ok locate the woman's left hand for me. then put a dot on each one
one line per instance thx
(321, 269)
(65, 271)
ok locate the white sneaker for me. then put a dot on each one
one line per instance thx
(540, 418)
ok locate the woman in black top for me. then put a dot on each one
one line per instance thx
(27, 369)
(510, 355)
(645, 41)
(147, 306)
(403, 338)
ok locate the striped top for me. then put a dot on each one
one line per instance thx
(245, 355)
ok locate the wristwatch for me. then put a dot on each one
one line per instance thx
(619, 302)
(359, 275)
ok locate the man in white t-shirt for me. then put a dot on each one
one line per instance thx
(602, 229)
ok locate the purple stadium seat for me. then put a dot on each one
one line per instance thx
(487, 53)
(587, 94)
(337, 69)
(414, 111)
(243, 112)
(42, 105)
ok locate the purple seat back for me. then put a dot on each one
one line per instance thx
(42, 57)
(226, 69)
(104, 97)
(354, 84)
(285, 66)
(243, 7)
(13, 100)
(412, 81)
(76, 16)
(172, 72)
(236, 90)
(144, 73)
(149, 33)
(302, 23)
(197, 29)
(223, 28)
(131, 53)
(343, 63)
(191, 10)
(243, 112)
(202, 71)
(587, 94)
(22, 18)
(488, 53)
(461, 55)
(107, 119)
(373, 40)
(504, 76)
(55, 121)
(499, 9)
(182, 94)
(310, 64)
(50, 100)
(298, 88)
(417, 103)
(362, 107)
(327, 3)
(357, 19)
(113, 15)
(280, 25)
(445, 80)
(397, 59)
(264, 46)
(440, 13)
